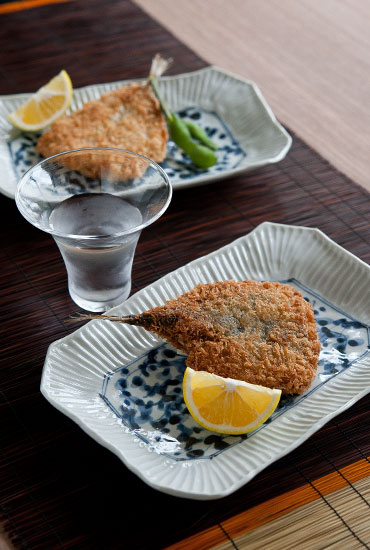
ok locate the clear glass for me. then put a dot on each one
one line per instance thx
(95, 203)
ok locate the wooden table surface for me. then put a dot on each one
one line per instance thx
(58, 487)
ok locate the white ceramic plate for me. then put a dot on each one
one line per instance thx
(122, 385)
(231, 109)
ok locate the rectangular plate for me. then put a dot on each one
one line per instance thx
(122, 385)
(231, 109)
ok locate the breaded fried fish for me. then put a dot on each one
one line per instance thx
(260, 332)
(127, 118)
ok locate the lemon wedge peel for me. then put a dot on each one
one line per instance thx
(225, 405)
(45, 106)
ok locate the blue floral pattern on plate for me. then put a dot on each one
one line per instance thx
(22, 149)
(147, 393)
(177, 164)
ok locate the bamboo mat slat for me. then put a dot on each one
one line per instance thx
(58, 487)
(12, 6)
(340, 522)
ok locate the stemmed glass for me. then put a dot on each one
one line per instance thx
(95, 202)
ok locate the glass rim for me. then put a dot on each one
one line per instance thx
(72, 236)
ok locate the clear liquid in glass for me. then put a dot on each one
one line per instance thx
(99, 269)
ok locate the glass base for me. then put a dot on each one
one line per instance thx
(100, 306)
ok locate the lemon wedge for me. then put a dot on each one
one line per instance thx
(46, 105)
(225, 405)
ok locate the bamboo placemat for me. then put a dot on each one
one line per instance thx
(58, 487)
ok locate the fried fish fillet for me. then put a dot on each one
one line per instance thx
(127, 118)
(260, 332)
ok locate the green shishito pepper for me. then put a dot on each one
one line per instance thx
(198, 133)
(187, 135)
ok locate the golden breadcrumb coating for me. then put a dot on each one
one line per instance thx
(127, 118)
(260, 332)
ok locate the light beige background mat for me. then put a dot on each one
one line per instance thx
(309, 57)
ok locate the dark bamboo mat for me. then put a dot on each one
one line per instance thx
(58, 487)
